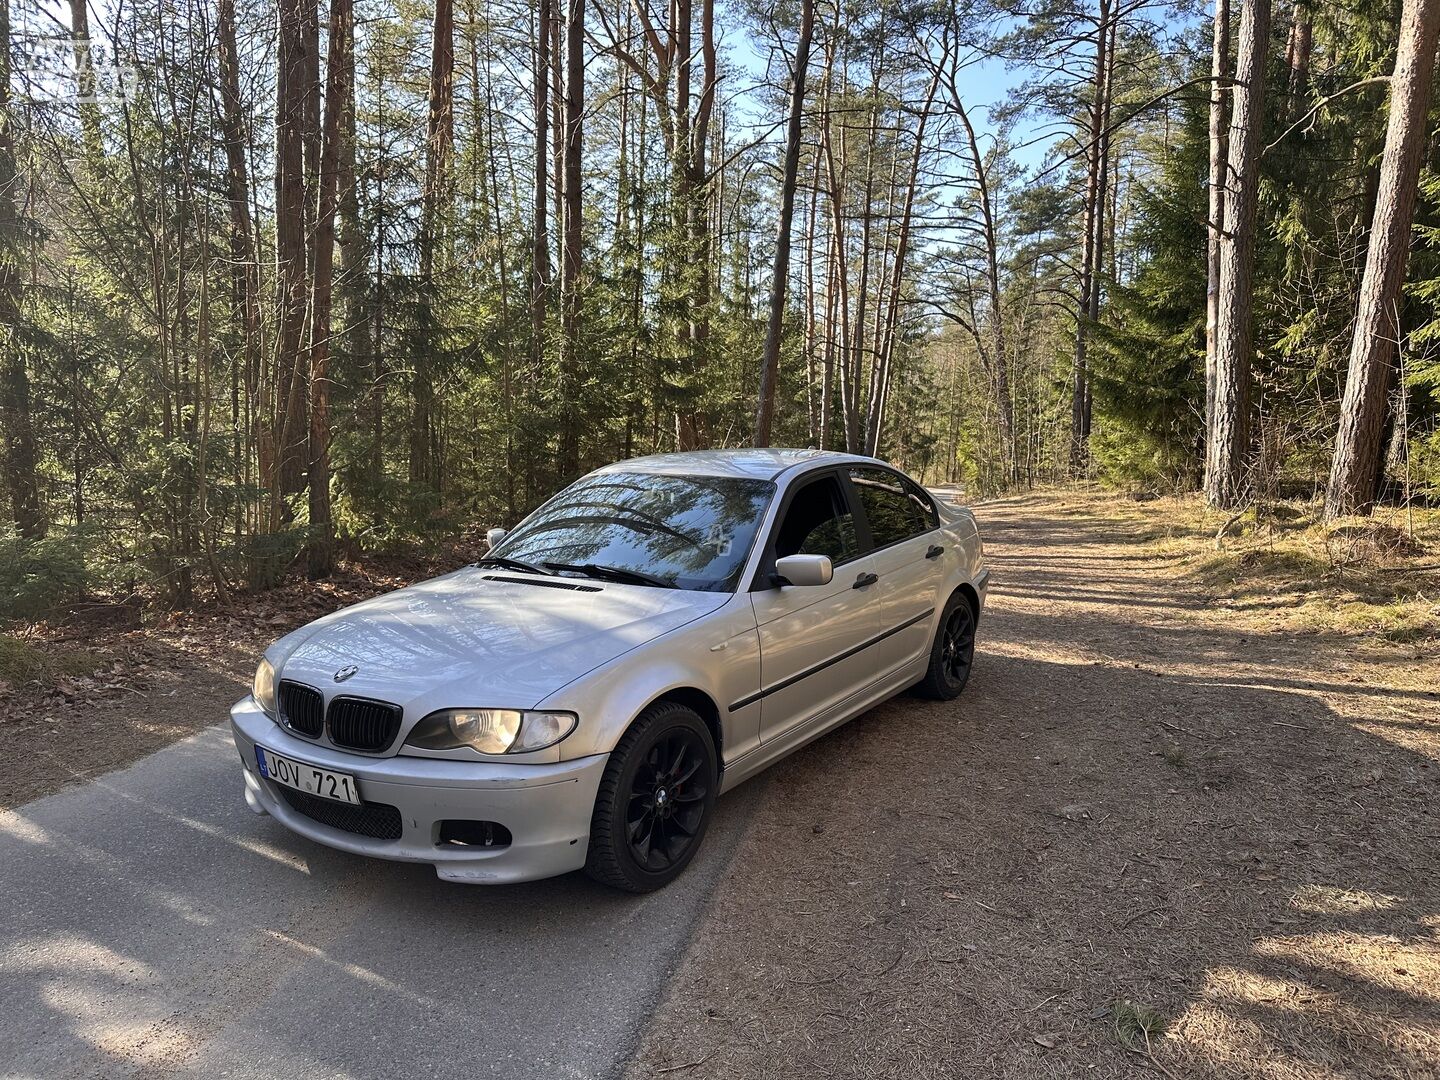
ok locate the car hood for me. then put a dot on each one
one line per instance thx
(481, 638)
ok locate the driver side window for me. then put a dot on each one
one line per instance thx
(818, 522)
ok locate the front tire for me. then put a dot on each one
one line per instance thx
(653, 806)
(952, 654)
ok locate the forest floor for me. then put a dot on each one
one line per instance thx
(95, 690)
(1185, 819)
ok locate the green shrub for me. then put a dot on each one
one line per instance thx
(37, 576)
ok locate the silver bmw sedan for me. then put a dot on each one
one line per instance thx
(653, 635)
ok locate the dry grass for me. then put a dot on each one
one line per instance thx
(1279, 567)
(24, 661)
(1157, 835)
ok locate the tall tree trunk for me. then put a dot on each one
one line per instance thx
(1297, 53)
(439, 142)
(15, 422)
(812, 389)
(687, 434)
(888, 327)
(378, 308)
(1215, 226)
(770, 362)
(855, 358)
(339, 78)
(540, 242)
(353, 273)
(1228, 450)
(85, 59)
(999, 349)
(282, 460)
(698, 221)
(570, 299)
(1358, 443)
(1095, 166)
(837, 274)
(244, 258)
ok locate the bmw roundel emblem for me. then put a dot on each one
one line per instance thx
(345, 672)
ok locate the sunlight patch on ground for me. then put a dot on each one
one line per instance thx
(1332, 900)
(63, 953)
(20, 828)
(1408, 966)
(1325, 1002)
(1408, 735)
(1268, 1027)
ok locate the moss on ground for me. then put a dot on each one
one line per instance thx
(24, 661)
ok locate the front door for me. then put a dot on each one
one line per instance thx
(811, 637)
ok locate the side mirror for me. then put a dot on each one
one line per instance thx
(804, 570)
(494, 536)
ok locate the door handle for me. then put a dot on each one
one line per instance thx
(935, 551)
(865, 579)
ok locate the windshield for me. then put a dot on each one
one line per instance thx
(689, 532)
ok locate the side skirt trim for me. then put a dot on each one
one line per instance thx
(793, 679)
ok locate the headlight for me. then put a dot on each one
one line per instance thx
(491, 731)
(264, 688)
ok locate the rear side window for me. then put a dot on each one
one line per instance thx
(818, 522)
(895, 508)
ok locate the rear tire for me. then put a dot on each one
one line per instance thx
(653, 806)
(952, 654)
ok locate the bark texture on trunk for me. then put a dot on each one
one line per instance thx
(540, 240)
(1227, 451)
(244, 255)
(1354, 473)
(1096, 165)
(1297, 52)
(439, 143)
(1219, 149)
(573, 253)
(770, 363)
(282, 454)
(339, 79)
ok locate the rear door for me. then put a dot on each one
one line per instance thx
(812, 638)
(901, 529)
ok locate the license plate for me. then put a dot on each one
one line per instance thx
(326, 783)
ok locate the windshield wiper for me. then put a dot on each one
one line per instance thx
(613, 573)
(511, 564)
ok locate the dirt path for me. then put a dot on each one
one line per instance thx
(1139, 814)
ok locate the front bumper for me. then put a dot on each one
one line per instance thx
(546, 808)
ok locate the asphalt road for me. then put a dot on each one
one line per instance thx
(151, 925)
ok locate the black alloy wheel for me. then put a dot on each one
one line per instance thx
(952, 655)
(667, 800)
(653, 806)
(957, 650)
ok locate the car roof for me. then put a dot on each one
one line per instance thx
(754, 463)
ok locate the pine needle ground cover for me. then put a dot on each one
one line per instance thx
(1158, 833)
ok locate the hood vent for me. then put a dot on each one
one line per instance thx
(543, 583)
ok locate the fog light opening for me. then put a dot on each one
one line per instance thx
(479, 834)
